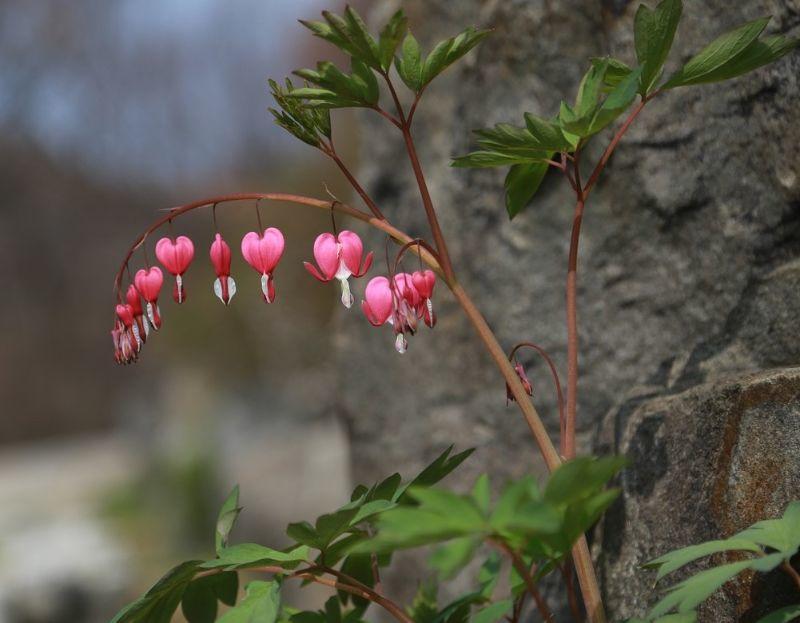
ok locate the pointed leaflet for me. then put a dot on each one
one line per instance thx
(521, 184)
(483, 159)
(717, 54)
(370, 53)
(675, 560)
(654, 32)
(227, 518)
(261, 604)
(546, 135)
(390, 38)
(244, 555)
(759, 53)
(617, 102)
(433, 473)
(448, 52)
(409, 63)
(615, 71)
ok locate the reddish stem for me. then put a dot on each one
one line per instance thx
(330, 151)
(427, 202)
(524, 572)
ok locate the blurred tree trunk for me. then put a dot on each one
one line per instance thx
(688, 281)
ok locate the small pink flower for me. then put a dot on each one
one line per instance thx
(175, 256)
(263, 252)
(148, 283)
(379, 301)
(339, 257)
(125, 344)
(424, 282)
(142, 328)
(224, 285)
(526, 384)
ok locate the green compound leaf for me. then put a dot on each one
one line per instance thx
(784, 615)
(246, 555)
(654, 32)
(713, 58)
(227, 518)
(337, 89)
(522, 183)
(261, 604)
(350, 34)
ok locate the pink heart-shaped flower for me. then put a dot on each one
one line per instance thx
(263, 252)
(175, 255)
(149, 283)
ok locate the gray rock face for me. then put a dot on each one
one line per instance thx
(688, 269)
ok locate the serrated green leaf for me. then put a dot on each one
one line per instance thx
(493, 613)
(784, 615)
(261, 604)
(390, 38)
(386, 489)
(521, 184)
(654, 32)
(590, 90)
(227, 518)
(332, 35)
(668, 563)
(715, 55)
(409, 63)
(365, 81)
(244, 555)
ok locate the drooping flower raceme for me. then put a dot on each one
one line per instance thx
(224, 285)
(398, 303)
(263, 252)
(148, 282)
(175, 256)
(339, 257)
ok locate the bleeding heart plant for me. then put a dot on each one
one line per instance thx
(539, 530)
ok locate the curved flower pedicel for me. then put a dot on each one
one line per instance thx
(339, 257)
(263, 252)
(224, 285)
(148, 282)
(175, 256)
(424, 282)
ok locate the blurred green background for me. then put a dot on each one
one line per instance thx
(110, 112)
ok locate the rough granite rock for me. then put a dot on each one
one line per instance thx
(688, 267)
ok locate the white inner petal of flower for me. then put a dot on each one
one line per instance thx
(347, 296)
(400, 343)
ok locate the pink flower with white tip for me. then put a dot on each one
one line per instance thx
(141, 328)
(394, 302)
(175, 256)
(263, 252)
(424, 282)
(224, 285)
(339, 257)
(148, 282)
